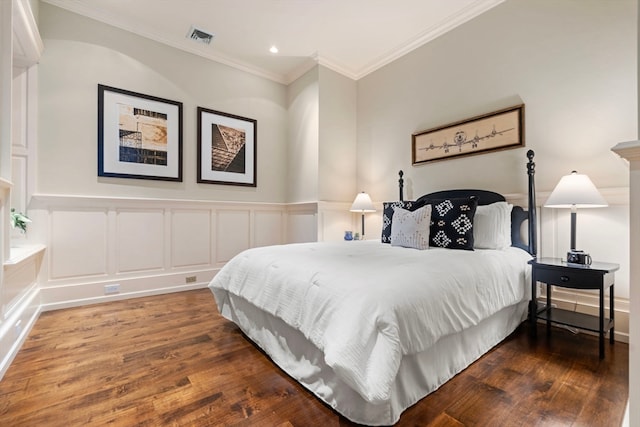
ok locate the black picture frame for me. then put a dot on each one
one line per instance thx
(495, 131)
(139, 136)
(227, 148)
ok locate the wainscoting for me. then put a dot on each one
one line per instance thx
(102, 249)
(86, 250)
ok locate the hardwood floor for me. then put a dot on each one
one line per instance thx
(172, 360)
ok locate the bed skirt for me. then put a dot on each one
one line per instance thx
(419, 374)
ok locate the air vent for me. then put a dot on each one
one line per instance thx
(200, 36)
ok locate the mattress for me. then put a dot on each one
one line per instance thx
(370, 328)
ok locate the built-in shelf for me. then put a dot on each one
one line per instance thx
(629, 150)
(5, 183)
(573, 318)
(22, 253)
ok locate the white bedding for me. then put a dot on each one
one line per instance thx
(366, 305)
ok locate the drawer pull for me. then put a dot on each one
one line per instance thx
(564, 279)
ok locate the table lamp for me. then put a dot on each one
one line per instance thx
(575, 191)
(362, 204)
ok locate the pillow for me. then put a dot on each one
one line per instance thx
(452, 223)
(387, 216)
(411, 229)
(492, 226)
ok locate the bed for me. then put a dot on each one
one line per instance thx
(371, 327)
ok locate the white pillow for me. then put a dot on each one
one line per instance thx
(492, 226)
(411, 229)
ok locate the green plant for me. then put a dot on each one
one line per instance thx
(19, 220)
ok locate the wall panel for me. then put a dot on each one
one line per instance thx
(233, 231)
(19, 190)
(190, 237)
(269, 228)
(302, 223)
(140, 240)
(78, 243)
(335, 218)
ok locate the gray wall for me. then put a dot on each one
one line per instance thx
(80, 53)
(322, 137)
(303, 103)
(337, 149)
(571, 62)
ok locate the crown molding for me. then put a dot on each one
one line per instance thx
(27, 44)
(447, 24)
(428, 35)
(298, 72)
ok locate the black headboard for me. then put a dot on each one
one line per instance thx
(518, 214)
(484, 197)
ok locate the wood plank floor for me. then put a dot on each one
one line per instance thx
(172, 360)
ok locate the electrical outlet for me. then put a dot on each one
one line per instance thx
(190, 279)
(112, 289)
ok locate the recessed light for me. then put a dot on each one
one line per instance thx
(273, 49)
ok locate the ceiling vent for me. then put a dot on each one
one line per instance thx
(200, 36)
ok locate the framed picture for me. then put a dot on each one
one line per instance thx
(499, 130)
(226, 148)
(139, 136)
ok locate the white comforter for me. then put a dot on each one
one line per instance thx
(365, 304)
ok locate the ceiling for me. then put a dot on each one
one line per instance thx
(352, 37)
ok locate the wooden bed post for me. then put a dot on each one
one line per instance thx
(533, 234)
(401, 185)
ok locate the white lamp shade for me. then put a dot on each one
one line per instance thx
(575, 190)
(362, 203)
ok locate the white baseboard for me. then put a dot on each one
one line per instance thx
(625, 421)
(16, 327)
(93, 292)
(120, 296)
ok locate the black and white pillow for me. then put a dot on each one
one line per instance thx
(411, 228)
(387, 216)
(452, 223)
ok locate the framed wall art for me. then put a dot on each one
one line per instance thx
(139, 136)
(500, 130)
(226, 148)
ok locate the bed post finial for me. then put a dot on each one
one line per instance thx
(533, 234)
(531, 165)
(401, 185)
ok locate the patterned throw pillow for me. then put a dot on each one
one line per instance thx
(387, 216)
(452, 223)
(411, 229)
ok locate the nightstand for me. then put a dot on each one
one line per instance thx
(553, 271)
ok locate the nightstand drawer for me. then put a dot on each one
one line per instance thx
(570, 278)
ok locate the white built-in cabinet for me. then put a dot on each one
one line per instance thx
(19, 109)
(20, 50)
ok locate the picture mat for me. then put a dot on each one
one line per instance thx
(209, 119)
(111, 150)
